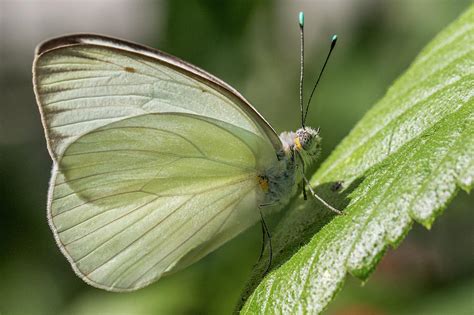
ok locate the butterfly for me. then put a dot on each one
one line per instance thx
(156, 162)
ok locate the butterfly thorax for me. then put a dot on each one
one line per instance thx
(299, 150)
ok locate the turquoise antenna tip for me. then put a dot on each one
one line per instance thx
(333, 41)
(301, 18)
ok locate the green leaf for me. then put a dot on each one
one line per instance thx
(403, 162)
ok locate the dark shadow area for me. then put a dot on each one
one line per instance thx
(301, 221)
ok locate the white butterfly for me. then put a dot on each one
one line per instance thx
(156, 162)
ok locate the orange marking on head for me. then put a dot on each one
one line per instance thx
(130, 69)
(263, 182)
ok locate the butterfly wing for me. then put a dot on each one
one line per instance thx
(83, 82)
(129, 200)
(155, 162)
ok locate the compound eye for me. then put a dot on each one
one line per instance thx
(304, 140)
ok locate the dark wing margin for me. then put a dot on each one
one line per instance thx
(169, 61)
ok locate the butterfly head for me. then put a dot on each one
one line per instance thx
(308, 142)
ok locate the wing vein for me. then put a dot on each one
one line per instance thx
(123, 230)
(73, 80)
(229, 205)
(95, 53)
(98, 199)
(105, 224)
(152, 128)
(85, 121)
(68, 181)
(95, 97)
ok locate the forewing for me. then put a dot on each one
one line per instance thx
(130, 199)
(83, 82)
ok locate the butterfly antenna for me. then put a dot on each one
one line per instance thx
(301, 22)
(333, 44)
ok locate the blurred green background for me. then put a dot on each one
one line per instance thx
(253, 45)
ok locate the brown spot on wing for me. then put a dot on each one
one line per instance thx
(130, 69)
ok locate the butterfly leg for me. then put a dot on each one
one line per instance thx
(265, 235)
(303, 183)
(304, 188)
(319, 198)
(305, 180)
